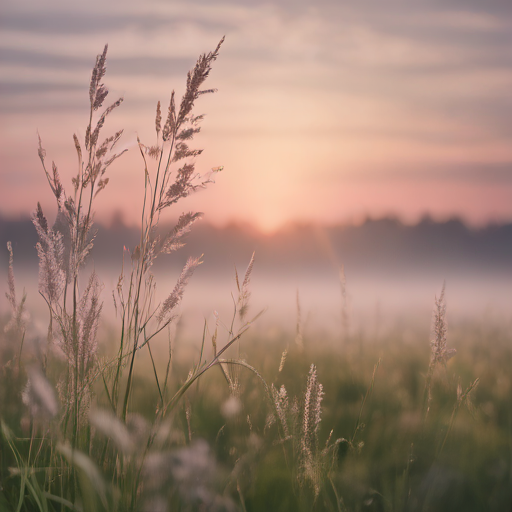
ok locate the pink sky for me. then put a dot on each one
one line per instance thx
(324, 113)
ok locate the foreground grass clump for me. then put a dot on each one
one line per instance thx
(388, 456)
(129, 425)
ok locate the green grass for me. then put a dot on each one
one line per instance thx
(392, 462)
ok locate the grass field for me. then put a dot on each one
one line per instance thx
(387, 456)
(127, 414)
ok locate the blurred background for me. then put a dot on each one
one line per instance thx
(371, 136)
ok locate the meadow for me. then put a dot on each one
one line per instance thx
(129, 413)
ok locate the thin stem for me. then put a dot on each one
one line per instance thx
(368, 393)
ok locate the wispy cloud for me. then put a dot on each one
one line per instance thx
(324, 85)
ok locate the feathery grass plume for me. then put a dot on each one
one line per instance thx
(440, 353)
(76, 337)
(50, 249)
(158, 119)
(165, 315)
(91, 172)
(215, 333)
(18, 315)
(183, 151)
(163, 188)
(54, 250)
(195, 80)
(281, 404)
(62, 226)
(54, 178)
(283, 360)
(312, 415)
(39, 396)
(75, 306)
(74, 217)
(81, 240)
(186, 183)
(173, 241)
(64, 248)
(97, 91)
(153, 152)
(89, 312)
(170, 122)
(244, 293)
(40, 150)
(81, 350)
(241, 307)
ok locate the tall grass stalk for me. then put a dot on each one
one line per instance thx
(439, 353)
(63, 249)
(160, 193)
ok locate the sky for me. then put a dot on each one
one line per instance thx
(326, 111)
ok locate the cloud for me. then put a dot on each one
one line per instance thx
(76, 22)
(468, 173)
(327, 84)
(122, 66)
